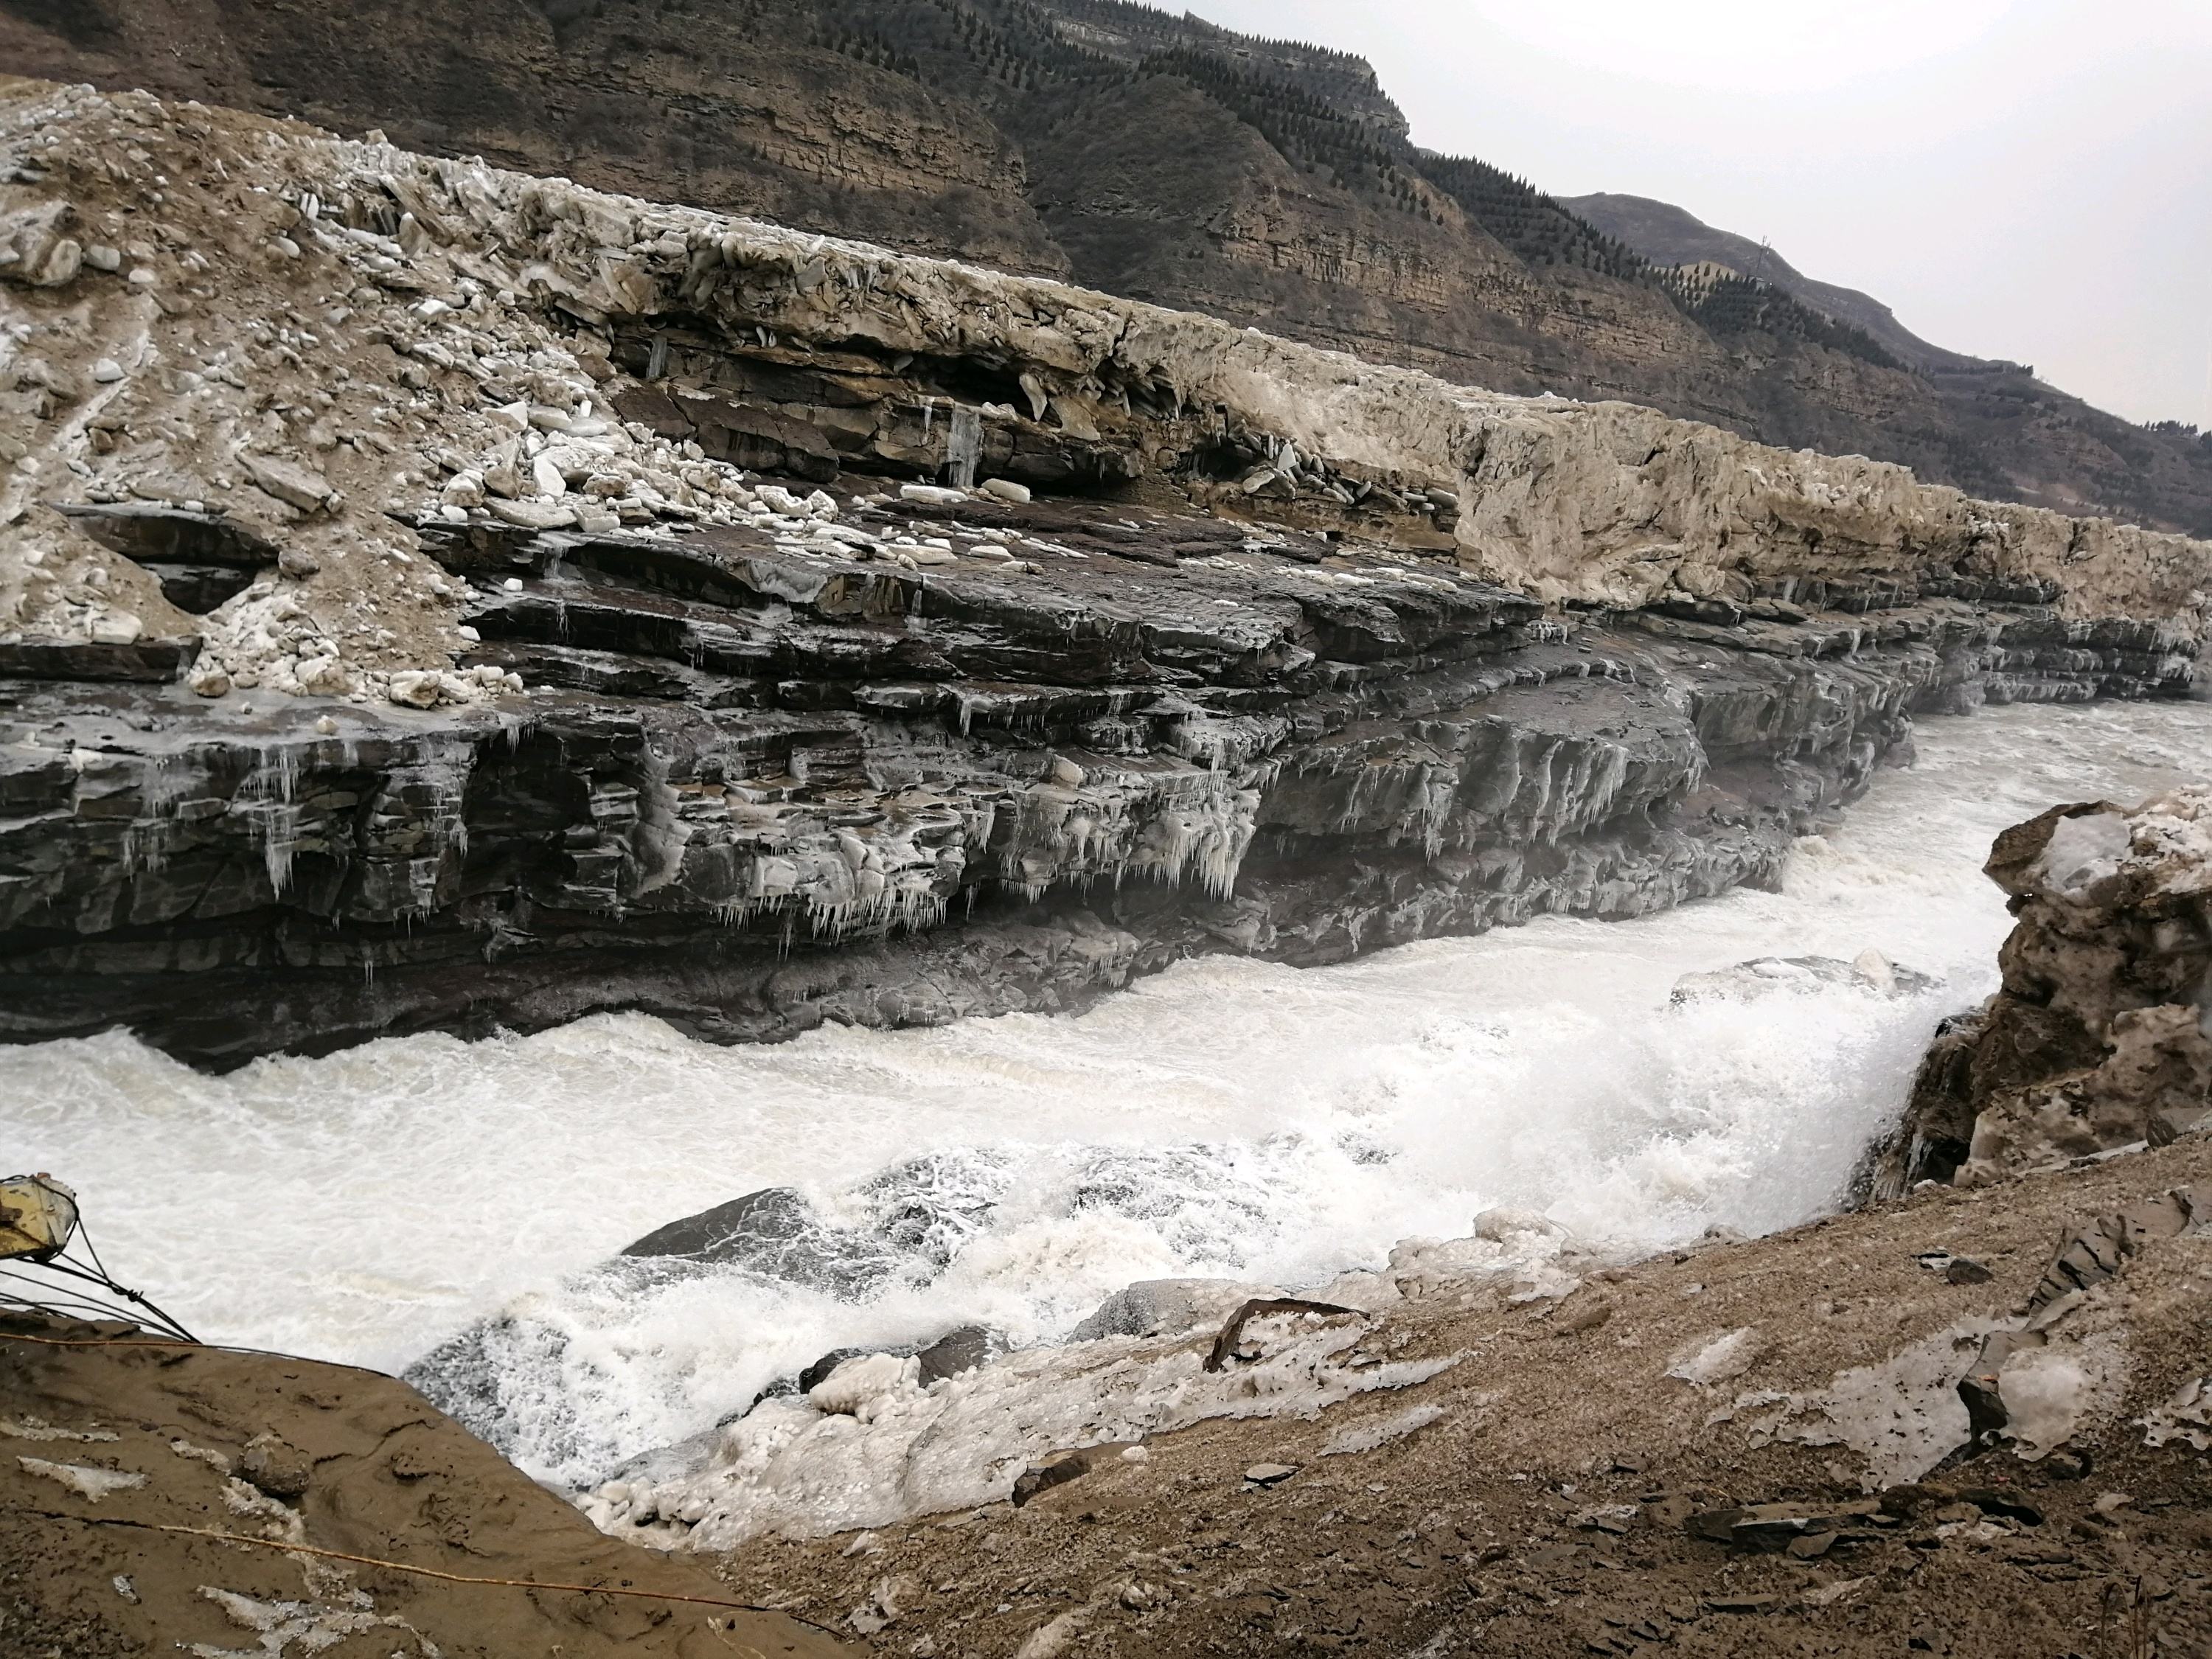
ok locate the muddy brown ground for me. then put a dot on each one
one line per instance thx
(1545, 1511)
(1547, 1502)
(362, 1465)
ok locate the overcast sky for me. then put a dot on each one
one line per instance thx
(2022, 178)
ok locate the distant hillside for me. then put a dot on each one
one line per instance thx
(1669, 235)
(1150, 155)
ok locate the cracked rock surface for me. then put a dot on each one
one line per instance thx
(435, 597)
(756, 790)
(2101, 1038)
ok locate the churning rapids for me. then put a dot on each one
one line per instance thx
(1225, 1119)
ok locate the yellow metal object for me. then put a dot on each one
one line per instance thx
(38, 1214)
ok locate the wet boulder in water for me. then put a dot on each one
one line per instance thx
(928, 1208)
(775, 1214)
(1158, 1307)
(495, 1379)
(818, 1373)
(1764, 976)
(774, 1232)
(504, 1374)
(951, 1355)
(958, 1351)
(507, 1376)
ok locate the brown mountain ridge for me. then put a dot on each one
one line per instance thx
(1147, 155)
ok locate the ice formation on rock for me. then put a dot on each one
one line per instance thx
(878, 1449)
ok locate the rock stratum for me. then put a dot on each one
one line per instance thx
(401, 632)
(1151, 155)
(2101, 1038)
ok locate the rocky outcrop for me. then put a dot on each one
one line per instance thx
(2102, 1036)
(1240, 646)
(755, 792)
(1139, 152)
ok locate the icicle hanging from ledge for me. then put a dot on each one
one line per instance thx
(963, 447)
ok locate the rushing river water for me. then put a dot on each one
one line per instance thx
(1226, 1118)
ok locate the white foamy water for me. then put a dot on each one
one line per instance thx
(1226, 1118)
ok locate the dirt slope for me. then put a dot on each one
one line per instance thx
(101, 1445)
(1543, 1496)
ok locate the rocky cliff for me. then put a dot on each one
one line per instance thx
(1150, 155)
(1666, 235)
(2101, 1038)
(402, 634)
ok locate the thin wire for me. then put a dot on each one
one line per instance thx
(79, 1306)
(84, 1233)
(72, 1270)
(61, 1263)
(82, 1300)
(137, 1298)
(42, 1285)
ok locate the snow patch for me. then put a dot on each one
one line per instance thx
(1367, 1436)
(790, 1467)
(88, 1483)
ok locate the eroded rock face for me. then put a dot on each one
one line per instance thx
(1142, 153)
(1254, 647)
(2102, 1036)
(780, 790)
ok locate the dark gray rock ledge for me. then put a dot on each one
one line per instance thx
(753, 790)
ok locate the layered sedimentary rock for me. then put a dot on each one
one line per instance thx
(2102, 1036)
(1141, 152)
(1241, 645)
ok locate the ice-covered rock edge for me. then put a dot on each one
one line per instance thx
(1605, 502)
(1608, 503)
